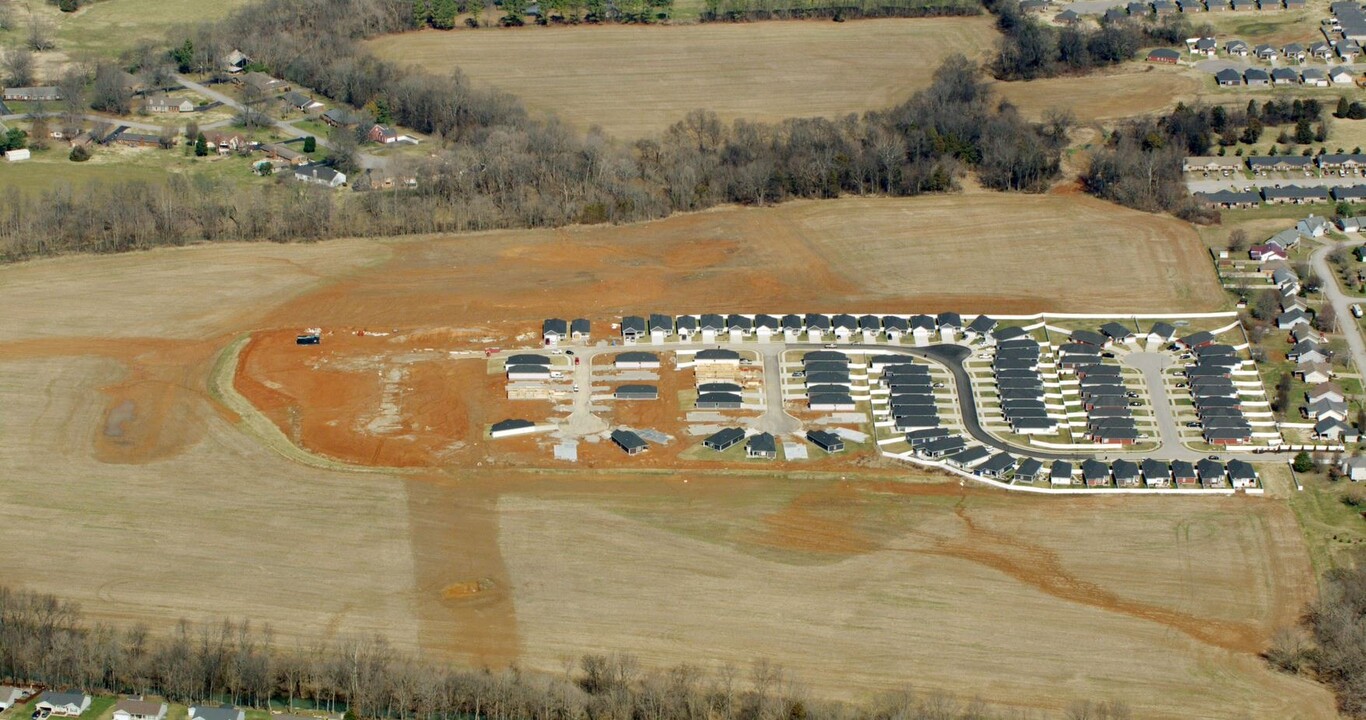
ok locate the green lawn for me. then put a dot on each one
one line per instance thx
(1333, 530)
(110, 27)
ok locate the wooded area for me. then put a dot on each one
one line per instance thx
(502, 168)
(44, 639)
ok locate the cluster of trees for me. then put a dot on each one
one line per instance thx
(1352, 110)
(537, 174)
(1030, 48)
(1140, 165)
(501, 168)
(1334, 648)
(747, 10)
(69, 5)
(46, 640)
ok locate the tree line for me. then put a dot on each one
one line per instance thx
(46, 640)
(1330, 643)
(1031, 49)
(497, 167)
(838, 10)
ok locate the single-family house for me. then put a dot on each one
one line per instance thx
(1324, 408)
(1265, 52)
(342, 117)
(9, 695)
(278, 151)
(1314, 77)
(227, 143)
(826, 441)
(319, 174)
(235, 61)
(632, 328)
(761, 446)
(1314, 373)
(382, 134)
(301, 102)
(1162, 332)
(1125, 472)
(1321, 51)
(661, 328)
(629, 442)
(68, 704)
(1166, 56)
(1095, 473)
(1256, 77)
(685, 327)
(1284, 76)
(1325, 391)
(1156, 473)
(136, 709)
(1241, 474)
(168, 104)
(1294, 51)
(1211, 472)
(1060, 473)
(1333, 429)
(1342, 76)
(1313, 226)
(1028, 470)
(1266, 252)
(765, 327)
(996, 466)
(724, 439)
(264, 84)
(1306, 351)
(554, 331)
(1206, 46)
(1237, 48)
(1184, 475)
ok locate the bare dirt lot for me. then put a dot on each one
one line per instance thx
(126, 465)
(635, 81)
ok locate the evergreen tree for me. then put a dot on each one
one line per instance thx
(1343, 105)
(310, 144)
(1304, 134)
(201, 146)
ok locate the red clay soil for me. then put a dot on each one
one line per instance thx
(153, 412)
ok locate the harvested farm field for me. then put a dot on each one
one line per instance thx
(634, 81)
(162, 433)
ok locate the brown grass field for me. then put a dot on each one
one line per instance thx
(636, 81)
(1107, 95)
(129, 466)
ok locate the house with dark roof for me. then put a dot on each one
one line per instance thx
(981, 325)
(660, 327)
(724, 439)
(1284, 76)
(1028, 470)
(1060, 473)
(969, 458)
(1256, 77)
(717, 356)
(1095, 473)
(844, 326)
(686, 327)
(636, 392)
(319, 174)
(1125, 473)
(1241, 474)
(1228, 77)
(719, 401)
(301, 102)
(554, 330)
(1156, 473)
(996, 466)
(1211, 473)
(826, 441)
(628, 441)
(511, 427)
(1166, 56)
(632, 328)
(762, 447)
(580, 329)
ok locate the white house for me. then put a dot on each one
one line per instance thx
(66, 704)
(1342, 76)
(139, 710)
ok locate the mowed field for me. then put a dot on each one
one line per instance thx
(109, 27)
(1105, 95)
(636, 81)
(126, 467)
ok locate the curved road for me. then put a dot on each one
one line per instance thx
(1342, 303)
